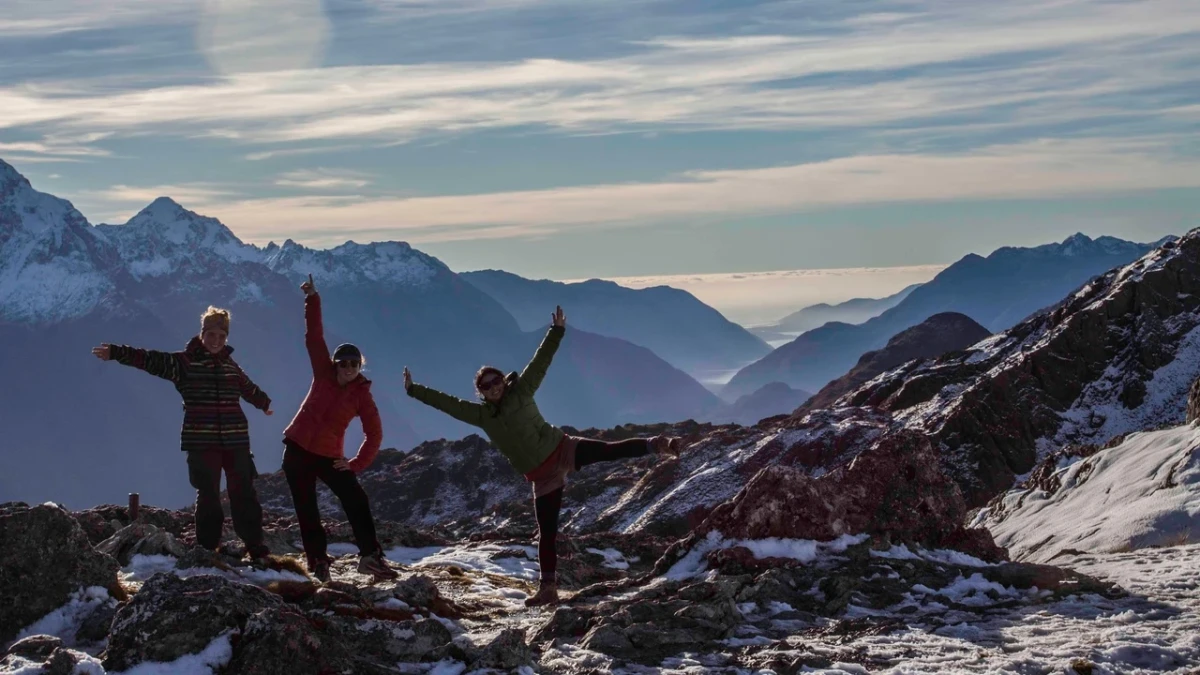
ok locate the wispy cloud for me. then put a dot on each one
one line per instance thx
(29, 18)
(1043, 169)
(323, 179)
(1022, 62)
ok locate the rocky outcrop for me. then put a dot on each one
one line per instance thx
(894, 491)
(937, 335)
(1116, 356)
(44, 559)
(140, 539)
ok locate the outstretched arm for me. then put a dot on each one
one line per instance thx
(253, 395)
(464, 411)
(167, 365)
(535, 372)
(373, 432)
(314, 332)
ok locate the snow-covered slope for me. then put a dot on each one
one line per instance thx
(1142, 492)
(52, 266)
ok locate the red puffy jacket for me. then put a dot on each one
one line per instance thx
(320, 425)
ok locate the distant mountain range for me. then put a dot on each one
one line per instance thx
(672, 323)
(95, 431)
(853, 311)
(998, 291)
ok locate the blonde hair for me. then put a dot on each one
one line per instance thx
(215, 317)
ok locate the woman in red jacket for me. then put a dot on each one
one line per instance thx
(313, 446)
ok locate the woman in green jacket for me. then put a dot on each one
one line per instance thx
(541, 452)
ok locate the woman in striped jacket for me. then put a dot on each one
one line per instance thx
(215, 433)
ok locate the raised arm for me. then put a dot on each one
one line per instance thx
(535, 371)
(167, 365)
(464, 411)
(314, 333)
(368, 413)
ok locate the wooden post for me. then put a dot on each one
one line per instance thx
(134, 503)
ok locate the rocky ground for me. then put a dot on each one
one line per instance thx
(715, 604)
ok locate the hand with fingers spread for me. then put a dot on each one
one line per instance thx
(103, 352)
(407, 379)
(341, 465)
(558, 319)
(308, 286)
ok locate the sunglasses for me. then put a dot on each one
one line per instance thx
(489, 383)
(348, 364)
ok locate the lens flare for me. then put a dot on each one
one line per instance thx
(240, 36)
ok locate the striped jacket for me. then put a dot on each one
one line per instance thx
(211, 385)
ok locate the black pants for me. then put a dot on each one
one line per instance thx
(547, 506)
(303, 469)
(204, 473)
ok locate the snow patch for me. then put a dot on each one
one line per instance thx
(65, 621)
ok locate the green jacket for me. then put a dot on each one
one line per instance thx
(515, 425)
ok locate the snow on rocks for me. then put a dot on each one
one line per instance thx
(1142, 492)
(30, 588)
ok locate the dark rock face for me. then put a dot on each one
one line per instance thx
(44, 558)
(991, 409)
(937, 335)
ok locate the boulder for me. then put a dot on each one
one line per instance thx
(44, 558)
(171, 617)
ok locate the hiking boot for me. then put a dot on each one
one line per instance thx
(375, 565)
(320, 570)
(547, 595)
(667, 445)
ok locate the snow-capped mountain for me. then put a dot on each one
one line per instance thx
(351, 264)
(165, 238)
(998, 292)
(66, 286)
(52, 265)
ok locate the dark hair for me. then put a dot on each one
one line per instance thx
(484, 371)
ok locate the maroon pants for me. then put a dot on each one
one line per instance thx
(204, 473)
(547, 506)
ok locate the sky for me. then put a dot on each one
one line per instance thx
(568, 139)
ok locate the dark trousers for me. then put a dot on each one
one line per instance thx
(204, 473)
(303, 469)
(547, 506)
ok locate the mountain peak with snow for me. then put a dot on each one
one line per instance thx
(52, 265)
(164, 237)
(388, 262)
